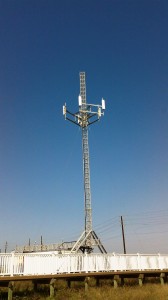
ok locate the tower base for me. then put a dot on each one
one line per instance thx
(87, 242)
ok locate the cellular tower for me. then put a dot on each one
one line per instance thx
(87, 115)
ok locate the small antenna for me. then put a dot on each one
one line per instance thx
(103, 104)
(80, 100)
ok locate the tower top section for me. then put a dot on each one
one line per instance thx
(87, 113)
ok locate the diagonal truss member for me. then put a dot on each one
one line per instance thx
(87, 115)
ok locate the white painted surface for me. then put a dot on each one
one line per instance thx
(43, 263)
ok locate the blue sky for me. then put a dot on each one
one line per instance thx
(123, 48)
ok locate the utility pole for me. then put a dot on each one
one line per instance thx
(6, 246)
(123, 235)
(41, 242)
(87, 115)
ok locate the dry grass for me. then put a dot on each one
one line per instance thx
(104, 292)
(148, 292)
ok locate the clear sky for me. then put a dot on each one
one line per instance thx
(122, 45)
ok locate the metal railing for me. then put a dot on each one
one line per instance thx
(41, 263)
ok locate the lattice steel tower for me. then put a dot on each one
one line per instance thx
(87, 115)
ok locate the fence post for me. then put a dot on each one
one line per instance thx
(141, 279)
(159, 261)
(52, 287)
(86, 262)
(69, 263)
(115, 262)
(10, 290)
(138, 259)
(12, 264)
(115, 281)
(162, 278)
(53, 263)
(86, 284)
